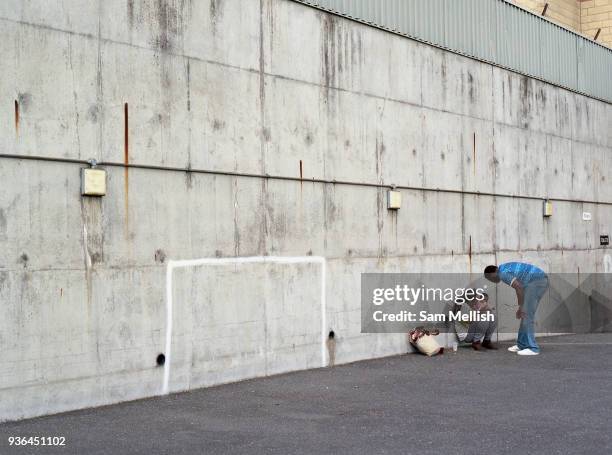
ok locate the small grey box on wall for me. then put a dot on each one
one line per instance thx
(93, 182)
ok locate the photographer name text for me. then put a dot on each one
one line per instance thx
(425, 316)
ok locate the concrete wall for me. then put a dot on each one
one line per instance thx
(256, 87)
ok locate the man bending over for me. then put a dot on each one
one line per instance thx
(530, 283)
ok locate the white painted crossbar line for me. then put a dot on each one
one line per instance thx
(227, 261)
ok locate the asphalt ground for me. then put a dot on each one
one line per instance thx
(468, 402)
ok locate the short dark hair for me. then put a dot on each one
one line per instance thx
(490, 269)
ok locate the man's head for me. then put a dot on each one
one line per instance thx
(490, 273)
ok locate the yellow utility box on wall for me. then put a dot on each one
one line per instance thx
(93, 182)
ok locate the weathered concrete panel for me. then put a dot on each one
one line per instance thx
(76, 16)
(154, 86)
(41, 216)
(50, 77)
(222, 31)
(295, 128)
(225, 130)
(294, 214)
(455, 84)
(400, 80)
(351, 137)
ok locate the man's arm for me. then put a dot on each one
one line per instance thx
(520, 297)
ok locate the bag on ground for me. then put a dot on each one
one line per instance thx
(425, 341)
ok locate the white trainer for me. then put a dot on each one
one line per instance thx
(527, 352)
(514, 348)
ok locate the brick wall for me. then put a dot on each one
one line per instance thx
(565, 12)
(583, 16)
(597, 14)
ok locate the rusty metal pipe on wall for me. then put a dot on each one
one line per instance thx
(296, 179)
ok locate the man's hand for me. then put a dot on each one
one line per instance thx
(520, 314)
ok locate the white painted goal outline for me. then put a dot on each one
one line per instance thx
(239, 260)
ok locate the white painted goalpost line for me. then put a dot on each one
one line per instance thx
(240, 260)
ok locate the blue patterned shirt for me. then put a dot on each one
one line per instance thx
(524, 273)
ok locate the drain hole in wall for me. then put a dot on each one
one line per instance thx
(331, 348)
(161, 359)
